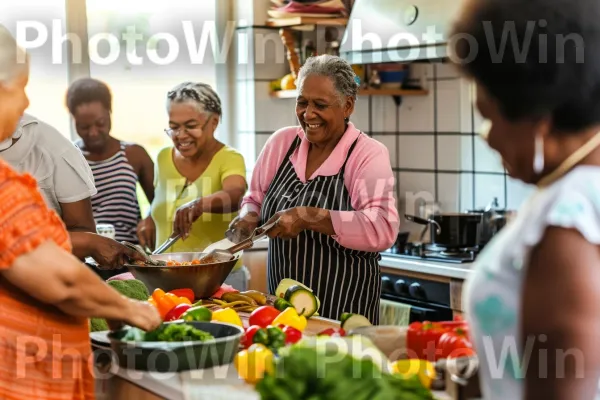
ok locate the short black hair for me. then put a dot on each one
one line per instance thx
(88, 90)
(555, 77)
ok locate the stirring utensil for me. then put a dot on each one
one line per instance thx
(223, 255)
(166, 245)
(147, 258)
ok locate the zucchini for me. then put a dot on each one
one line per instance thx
(282, 304)
(303, 300)
(286, 283)
(351, 321)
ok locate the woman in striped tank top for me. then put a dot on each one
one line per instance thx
(117, 166)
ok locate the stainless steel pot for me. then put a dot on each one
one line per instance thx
(493, 219)
(451, 230)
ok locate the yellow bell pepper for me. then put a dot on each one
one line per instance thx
(289, 317)
(424, 369)
(227, 315)
(252, 363)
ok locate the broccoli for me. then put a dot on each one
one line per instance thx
(133, 288)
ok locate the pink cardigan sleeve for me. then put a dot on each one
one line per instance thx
(374, 224)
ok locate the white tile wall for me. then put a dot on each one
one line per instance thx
(384, 112)
(416, 114)
(487, 187)
(448, 195)
(449, 152)
(486, 159)
(466, 190)
(448, 106)
(517, 192)
(417, 151)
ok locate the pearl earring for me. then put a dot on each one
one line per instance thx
(538, 158)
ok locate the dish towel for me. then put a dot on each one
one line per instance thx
(394, 313)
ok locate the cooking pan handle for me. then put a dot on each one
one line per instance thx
(424, 221)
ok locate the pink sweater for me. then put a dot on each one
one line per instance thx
(368, 177)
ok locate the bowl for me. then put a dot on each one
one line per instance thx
(389, 339)
(178, 356)
(203, 279)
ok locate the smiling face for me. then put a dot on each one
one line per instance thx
(192, 129)
(14, 102)
(319, 110)
(93, 124)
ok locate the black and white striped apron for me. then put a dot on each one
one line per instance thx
(345, 280)
(116, 202)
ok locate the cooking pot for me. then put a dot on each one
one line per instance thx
(451, 230)
(493, 219)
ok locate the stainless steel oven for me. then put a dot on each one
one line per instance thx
(428, 300)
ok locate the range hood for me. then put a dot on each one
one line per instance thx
(382, 31)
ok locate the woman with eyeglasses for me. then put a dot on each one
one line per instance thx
(199, 181)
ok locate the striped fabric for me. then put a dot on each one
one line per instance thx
(44, 353)
(345, 280)
(116, 202)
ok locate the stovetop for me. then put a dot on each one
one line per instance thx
(419, 251)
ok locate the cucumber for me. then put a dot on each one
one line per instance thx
(303, 300)
(282, 304)
(351, 321)
(286, 283)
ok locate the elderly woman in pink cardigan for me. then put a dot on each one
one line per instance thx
(331, 186)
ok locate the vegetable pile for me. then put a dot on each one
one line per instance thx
(168, 333)
(436, 340)
(325, 368)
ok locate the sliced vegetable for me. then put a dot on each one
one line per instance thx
(285, 284)
(282, 304)
(177, 312)
(263, 316)
(227, 315)
(351, 321)
(252, 363)
(303, 300)
(289, 317)
(422, 369)
(187, 293)
(198, 313)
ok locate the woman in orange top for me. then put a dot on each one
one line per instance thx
(46, 294)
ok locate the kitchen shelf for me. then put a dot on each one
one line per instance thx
(289, 94)
(305, 21)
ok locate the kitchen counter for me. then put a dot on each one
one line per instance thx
(448, 270)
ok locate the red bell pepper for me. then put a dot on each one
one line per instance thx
(422, 339)
(187, 293)
(333, 332)
(248, 338)
(292, 335)
(177, 311)
(454, 343)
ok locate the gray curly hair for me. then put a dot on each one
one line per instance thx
(336, 68)
(205, 98)
(13, 59)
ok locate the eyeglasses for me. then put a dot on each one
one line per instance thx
(172, 133)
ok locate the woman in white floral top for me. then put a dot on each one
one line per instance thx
(533, 300)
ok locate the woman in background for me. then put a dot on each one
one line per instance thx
(46, 294)
(117, 166)
(532, 298)
(200, 181)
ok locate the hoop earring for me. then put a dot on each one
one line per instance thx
(538, 157)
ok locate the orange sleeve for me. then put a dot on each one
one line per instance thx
(25, 220)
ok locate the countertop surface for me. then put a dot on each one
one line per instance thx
(446, 269)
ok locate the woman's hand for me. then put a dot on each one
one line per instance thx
(242, 227)
(110, 254)
(140, 314)
(295, 220)
(146, 233)
(185, 216)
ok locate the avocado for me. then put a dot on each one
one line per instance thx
(303, 300)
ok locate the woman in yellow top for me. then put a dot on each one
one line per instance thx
(199, 181)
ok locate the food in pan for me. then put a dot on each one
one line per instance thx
(168, 333)
(173, 263)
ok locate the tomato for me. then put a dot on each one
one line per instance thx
(248, 337)
(187, 293)
(453, 343)
(422, 339)
(263, 316)
(465, 352)
(333, 332)
(292, 335)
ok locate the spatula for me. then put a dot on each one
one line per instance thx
(224, 255)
